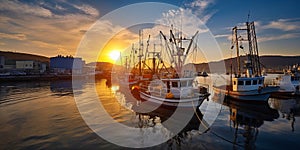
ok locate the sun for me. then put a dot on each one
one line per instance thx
(114, 55)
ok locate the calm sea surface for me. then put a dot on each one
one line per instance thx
(44, 115)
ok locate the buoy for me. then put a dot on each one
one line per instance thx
(135, 91)
(169, 95)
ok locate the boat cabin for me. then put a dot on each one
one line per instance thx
(247, 84)
(179, 87)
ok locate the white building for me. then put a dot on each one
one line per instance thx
(27, 64)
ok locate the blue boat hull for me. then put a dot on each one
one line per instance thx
(254, 95)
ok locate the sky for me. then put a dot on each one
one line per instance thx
(61, 27)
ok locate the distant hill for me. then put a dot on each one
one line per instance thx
(23, 56)
(270, 63)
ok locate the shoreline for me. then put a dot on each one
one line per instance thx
(20, 78)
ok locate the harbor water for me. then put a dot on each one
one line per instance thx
(45, 115)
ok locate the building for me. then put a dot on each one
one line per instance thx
(27, 64)
(31, 66)
(21, 63)
(66, 65)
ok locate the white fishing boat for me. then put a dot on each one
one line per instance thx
(172, 91)
(173, 85)
(288, 84)
(250, 84)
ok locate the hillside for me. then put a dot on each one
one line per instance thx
(23, 56)
(270, 63)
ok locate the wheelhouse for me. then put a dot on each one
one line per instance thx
(247, 84)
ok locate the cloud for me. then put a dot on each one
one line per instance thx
(182, 19)
(88, 10)
(291, 24)
(284, 25)
(48, 28)
(15, 36)
(201, 4)
(223, 35)
(18, 7)
(279, 37)
(201, 9)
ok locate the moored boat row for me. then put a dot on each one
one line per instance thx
(173, 84)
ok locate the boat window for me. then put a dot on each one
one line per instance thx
(190, 82)
(240, 82)
(183, 83)
(248, 82)
(254, 82)
(174, 84)
(259, 81)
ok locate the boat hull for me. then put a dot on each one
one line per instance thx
(254, 95)
(284, 94)
(184, 102)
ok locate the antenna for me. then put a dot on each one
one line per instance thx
(248, 16)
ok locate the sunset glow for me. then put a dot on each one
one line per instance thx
(114, 55)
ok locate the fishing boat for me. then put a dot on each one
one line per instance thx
(173, 84)
(288, 83)
(249, 85)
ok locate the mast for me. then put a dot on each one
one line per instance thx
(176, 50)
(141, 48)
(238, 61)
(132, 58)
(253, 56)
(254, 48)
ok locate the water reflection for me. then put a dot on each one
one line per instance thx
(289, 109)
(67, 87)
(245, 119)
(39, 115)
(61, 88)
(161, 114)
(155, 120)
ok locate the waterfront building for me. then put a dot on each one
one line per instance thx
(12, 63)
(66, 65)
(27, 64)
(31, 66)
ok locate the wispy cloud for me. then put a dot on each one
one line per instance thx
(289, 29)
(183, 19)
(87, 10)
(202, 4)
(222, 35)
(279, 37)
(15, 36)
(284, 24)
(48, 28)
(200, 8)
(18, 7)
